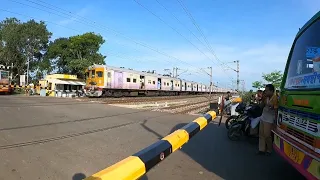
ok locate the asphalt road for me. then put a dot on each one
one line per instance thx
(49, 138)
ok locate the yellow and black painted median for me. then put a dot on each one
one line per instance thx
(138, 164)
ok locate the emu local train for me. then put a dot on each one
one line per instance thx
(103, 80)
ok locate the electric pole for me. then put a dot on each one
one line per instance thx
(238, 75)
(210, 74)
(28, 62)
(176, 72)
(173, 71)
(237, 71)
(210, 81)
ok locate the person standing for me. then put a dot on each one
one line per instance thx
(267, 120)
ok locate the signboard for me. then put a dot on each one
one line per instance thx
(22, 80)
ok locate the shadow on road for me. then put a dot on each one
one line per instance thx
(79, 176)
(212, 149)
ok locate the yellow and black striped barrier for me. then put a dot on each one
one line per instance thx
(135, 166)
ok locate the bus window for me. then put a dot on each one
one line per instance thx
(304, 68)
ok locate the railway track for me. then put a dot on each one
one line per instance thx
(186, 104)
(186, 107)
(129, 100)
(195, 109)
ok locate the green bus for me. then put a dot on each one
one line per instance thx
(296, 137)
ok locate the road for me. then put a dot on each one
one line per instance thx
(56, 138)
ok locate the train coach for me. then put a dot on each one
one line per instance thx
(108, 81)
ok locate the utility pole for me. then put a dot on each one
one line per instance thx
(238, 75)
(210, 81)
(237, 71)
(11, 73)
(173, 71)
(210, 74)
(176, 72)
(28, 70)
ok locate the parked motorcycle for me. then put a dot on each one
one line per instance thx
(233, 118)
(241, 125)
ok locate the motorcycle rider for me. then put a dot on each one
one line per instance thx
(267, 120)
(259, 96)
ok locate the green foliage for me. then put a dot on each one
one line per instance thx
(257, 84)
(246, 96)
(20, 41)
(76, 53)
(274, 78)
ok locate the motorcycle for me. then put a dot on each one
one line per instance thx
(233, 118)
(241, 125)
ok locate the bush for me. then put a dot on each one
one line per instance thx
(246, 96)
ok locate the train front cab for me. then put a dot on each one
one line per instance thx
(95, 77)
(297, 135)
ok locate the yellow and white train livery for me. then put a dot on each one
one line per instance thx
(103, 80)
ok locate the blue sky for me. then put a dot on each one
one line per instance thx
(258, 33)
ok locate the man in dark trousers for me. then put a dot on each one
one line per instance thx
(267, 120)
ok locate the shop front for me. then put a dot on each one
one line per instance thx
(62, 85)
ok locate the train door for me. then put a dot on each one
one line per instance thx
(142, 82)
(118, 80)
(159, 83)
(172, 85)
(99, 77)
(109, 79)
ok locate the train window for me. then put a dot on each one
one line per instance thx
(167, 84)
(134, 80)
(149, 81)
(153, 82)
(109, 74)
(99, 73)
(93, 73)
(164, 83)
(128, 79)
(178, 85)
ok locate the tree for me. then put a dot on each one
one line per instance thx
(23, 41)
(274, 78)
(257, 84)
(74, 54)
(58, 54)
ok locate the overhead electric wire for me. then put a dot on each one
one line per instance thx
(204, 37)
(207, 46)
(53, 36)
(199, 29)
(182, 24)
(112, 30)
(171, 28)
(38, 19)
(69, 14)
